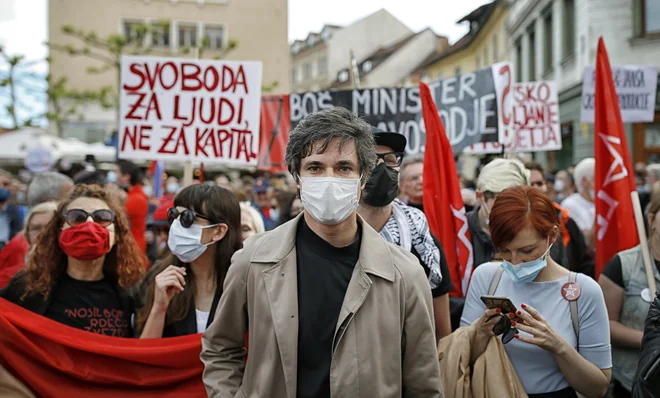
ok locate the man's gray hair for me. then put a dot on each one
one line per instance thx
(47, 187)
(408, 160)
(654, 169)
(584, 169)
(323, 126)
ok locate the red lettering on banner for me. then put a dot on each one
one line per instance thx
(180, 141)
(151, 106)
(136, 137)
(506, 70)
(187, 76)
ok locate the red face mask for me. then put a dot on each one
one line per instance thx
(87, 241)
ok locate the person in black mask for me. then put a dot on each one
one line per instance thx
(403, 225)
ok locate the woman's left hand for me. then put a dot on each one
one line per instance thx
(542, 334)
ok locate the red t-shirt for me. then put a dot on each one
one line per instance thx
(137, 211)
(12, 258)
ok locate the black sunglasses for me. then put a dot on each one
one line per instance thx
(503, 327)
(103, 217)
(186, 217)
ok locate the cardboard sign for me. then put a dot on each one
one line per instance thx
(531, 121)
(190, 110)
(636, 88)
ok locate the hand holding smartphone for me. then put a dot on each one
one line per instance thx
(503, 303)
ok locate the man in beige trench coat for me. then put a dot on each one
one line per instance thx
(332, 309)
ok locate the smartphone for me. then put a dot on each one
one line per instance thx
(503, 303)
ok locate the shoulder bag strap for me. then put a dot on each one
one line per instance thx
(496, 281)
(575, 317)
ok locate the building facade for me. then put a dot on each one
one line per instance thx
(316, 61)
(557, 39)
(178, 25)
(391, 65)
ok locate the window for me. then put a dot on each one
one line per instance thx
(531, 60)
(651, 20)
(366, 67)
(307, 71)
(187, 36)
(569, 28)
(342, 76)
(495, 50)
(134, 30)
(547, 42)
(518, 61)
(160, 34)
(323, 66)
(215, 35)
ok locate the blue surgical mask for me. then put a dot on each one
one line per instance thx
(4, 195)
(527, 271)
(274, 214)
(111, 177)
(172, 187)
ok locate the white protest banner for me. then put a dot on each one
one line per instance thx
(190, 110)
(531, 122)
(636, 88)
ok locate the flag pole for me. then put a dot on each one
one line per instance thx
(646, 253)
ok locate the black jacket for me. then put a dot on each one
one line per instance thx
(647, 379)
(38, 304)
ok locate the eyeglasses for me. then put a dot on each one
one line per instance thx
(103, 217)
(503, 327)
(186, 217)
(391, 159)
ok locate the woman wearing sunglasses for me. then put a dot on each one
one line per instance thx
(82, 266)
(182, 291)
(556, 350)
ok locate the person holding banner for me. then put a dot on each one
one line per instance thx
(628, 297)
(82, 267)
(333, 309)
(129, 178)
(182, 291)
(557, 336)
(405, 226)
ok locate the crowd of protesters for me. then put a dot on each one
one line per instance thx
(333, 272)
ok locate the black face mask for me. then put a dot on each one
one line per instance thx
(382, 187)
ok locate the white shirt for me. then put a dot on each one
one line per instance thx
(580, 210)
(202, 320)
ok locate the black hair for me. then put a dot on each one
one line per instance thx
(130, 168)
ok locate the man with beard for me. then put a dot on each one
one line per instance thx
(404, 225)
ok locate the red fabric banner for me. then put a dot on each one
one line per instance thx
(275, 128)
(56, 360)
(443, 203)
(615, 218)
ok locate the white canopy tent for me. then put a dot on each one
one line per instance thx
(15, 145)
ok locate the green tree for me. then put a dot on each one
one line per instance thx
(20, 85)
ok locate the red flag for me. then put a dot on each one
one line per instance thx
(275, 126)
(615, 219)
(443, 203)
(56, 360)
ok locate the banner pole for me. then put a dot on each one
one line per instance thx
(646, 253)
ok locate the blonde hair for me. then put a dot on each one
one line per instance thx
(257, 221)
(46, 207)
(501, 174)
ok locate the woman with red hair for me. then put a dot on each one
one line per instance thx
(82, 266)
(557, 337)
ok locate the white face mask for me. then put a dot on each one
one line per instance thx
(186, 243)
(559, 185)
(329, 200)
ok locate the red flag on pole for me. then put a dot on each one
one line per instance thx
(615, 222)
(443, 203)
